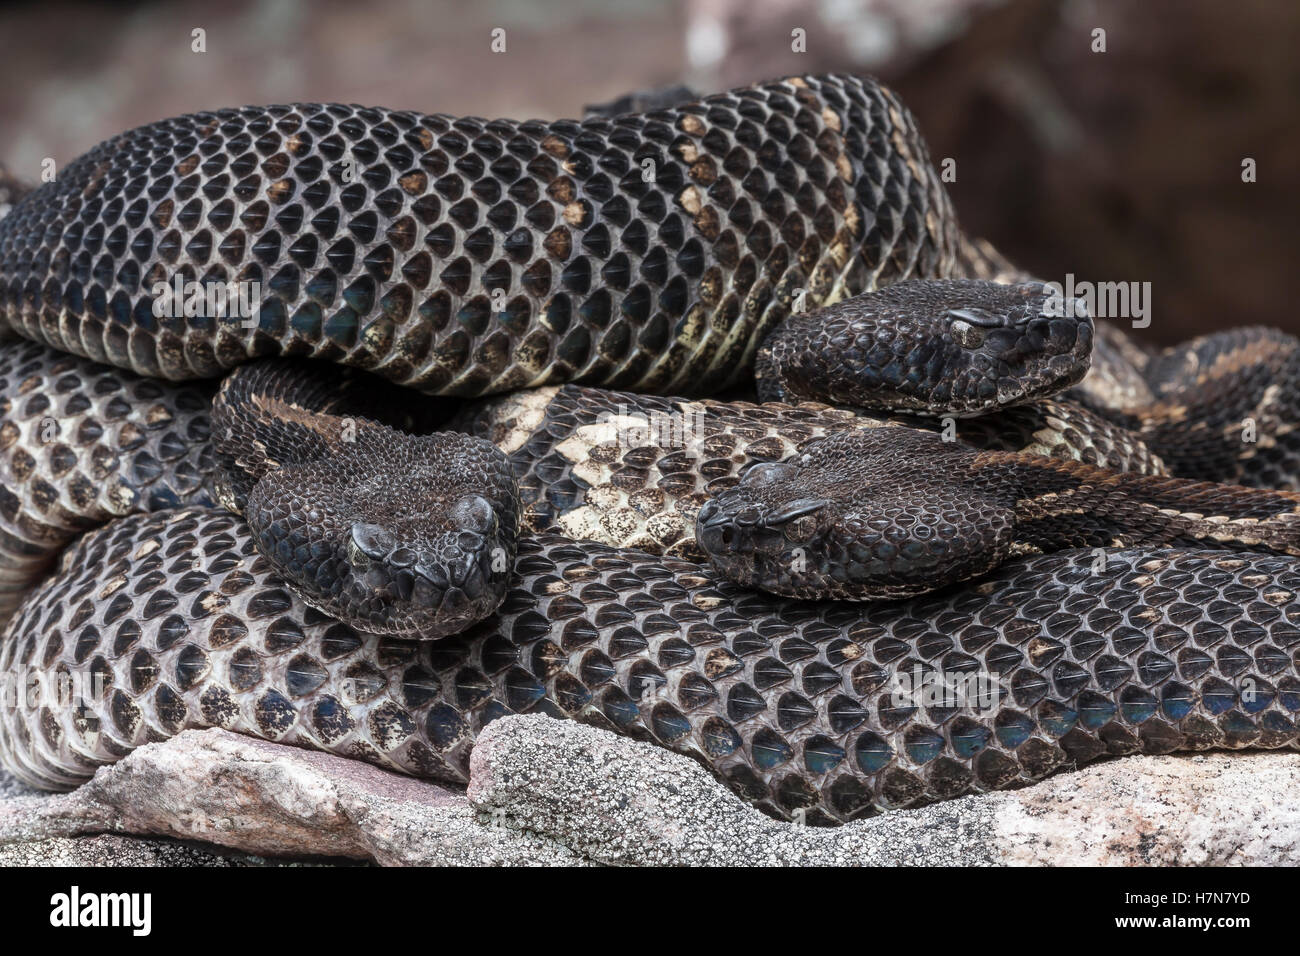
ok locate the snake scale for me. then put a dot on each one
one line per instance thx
(537, 269)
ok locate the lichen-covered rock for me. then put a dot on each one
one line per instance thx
(544, 791)
(619, 801)
(273, 800)
(107, 849)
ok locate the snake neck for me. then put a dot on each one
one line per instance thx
(1067, 504)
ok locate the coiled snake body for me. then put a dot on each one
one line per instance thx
(460, 256)
(651, 252)
(173, 620)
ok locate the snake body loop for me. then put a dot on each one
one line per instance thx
(529, 262)
(650, 252)
(838, 710)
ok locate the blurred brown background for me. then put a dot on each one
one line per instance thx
(1115, 166)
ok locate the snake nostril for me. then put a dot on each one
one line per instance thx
(433, 572)
(424, 592)
(717, 537)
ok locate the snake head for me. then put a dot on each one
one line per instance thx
(412, 536)
(876, 513)
(931, 347)
(427, 584)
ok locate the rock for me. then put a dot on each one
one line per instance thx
(110, 850)
(619, 801)
(11, 786)
(556, 792)
(273, 800)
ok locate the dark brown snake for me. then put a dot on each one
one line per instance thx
(653, 252)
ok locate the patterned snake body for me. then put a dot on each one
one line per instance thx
(162, 622)
(651, 252)
(82, 443)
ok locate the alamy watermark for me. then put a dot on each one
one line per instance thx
(210, 299)
(1101, 300)
(973, 691)
(34, 689)
(633, 428)
(73, 909)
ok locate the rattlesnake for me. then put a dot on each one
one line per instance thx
(650, 252)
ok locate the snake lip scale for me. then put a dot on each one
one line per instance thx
(310, 554)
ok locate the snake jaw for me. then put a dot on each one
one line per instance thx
(419, 590)
(412, 536)
(930, 347)
(871, 514)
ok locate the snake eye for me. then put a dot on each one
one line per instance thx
(795, 509)
(966, 335)
(801, 529)
(473, 513)
(768, 472)
(972, 316)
